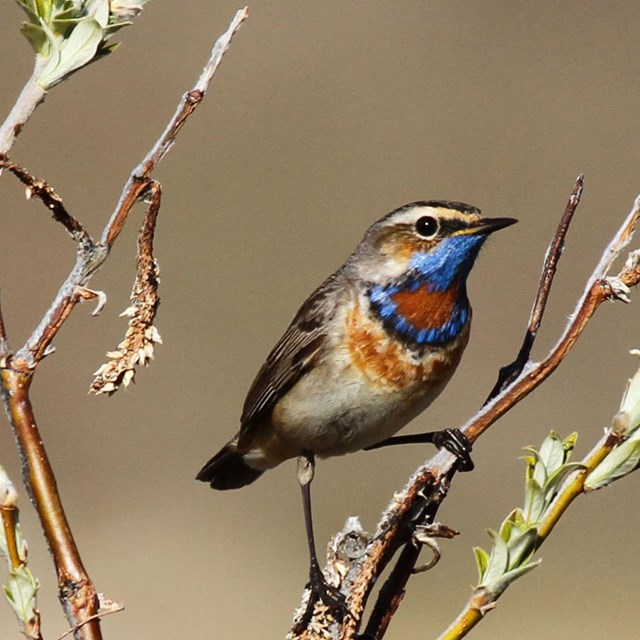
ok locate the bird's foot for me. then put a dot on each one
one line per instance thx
(455, 442)
(331, 597)
(321, 591)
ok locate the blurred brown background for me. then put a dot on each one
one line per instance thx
(323, 117)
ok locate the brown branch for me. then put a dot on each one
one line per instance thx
(36, 187)
(76, 591)
(189, 103)
(142, 336)
(510, 372)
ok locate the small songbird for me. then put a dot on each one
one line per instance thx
(369, 350)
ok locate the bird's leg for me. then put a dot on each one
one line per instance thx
(329, 595)
(453, 440)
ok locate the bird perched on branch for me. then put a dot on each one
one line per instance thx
(369, 350)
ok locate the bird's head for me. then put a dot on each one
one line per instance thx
(415, 262)
(433, 241)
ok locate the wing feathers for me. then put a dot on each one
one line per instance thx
(297, 350)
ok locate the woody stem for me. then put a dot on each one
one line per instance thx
(75, 589)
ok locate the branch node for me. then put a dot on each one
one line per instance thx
(194, 96)
(105, 607)
(482, 600)
(619, 289)
(89, 294)
(48, 351)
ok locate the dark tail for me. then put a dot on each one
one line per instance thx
(228, 470)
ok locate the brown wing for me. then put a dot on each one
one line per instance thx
(297, 350)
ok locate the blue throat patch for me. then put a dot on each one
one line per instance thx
(381, 299)
(445, 266)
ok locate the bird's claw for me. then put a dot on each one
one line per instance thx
(320, 590)
(455, 442)
(331, 598)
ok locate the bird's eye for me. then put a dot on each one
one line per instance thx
(427, 226)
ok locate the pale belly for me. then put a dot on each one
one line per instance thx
(371, 388)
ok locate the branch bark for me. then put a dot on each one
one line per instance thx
(30, 97)
(76, 591)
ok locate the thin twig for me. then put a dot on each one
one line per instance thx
(95, 616)
(189, 103)
(9, 513)
(5, 350)
(598, 289)
(36, 187)
(510, 372)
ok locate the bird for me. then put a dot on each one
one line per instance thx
(368, 350)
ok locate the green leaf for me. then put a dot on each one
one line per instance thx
(482, 562)
(74, 52)
(534, 502)
(498, 560)
(630, 405)
(44, 8)
(620, 462)
(21, 592)
(36, 37)
(552, 452)
(98, 10)
(28, 9)
(521, 547)
(499, 586)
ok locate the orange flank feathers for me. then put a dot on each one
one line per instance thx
(383, 361)
(389, 364)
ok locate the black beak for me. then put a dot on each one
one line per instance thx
(489, 225)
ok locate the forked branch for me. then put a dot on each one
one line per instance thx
(511, 371)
